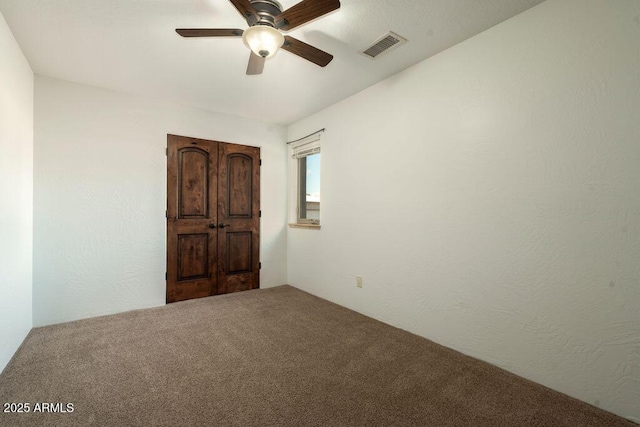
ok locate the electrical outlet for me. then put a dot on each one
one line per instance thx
(359, 281)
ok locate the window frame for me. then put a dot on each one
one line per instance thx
(300, 190)
(311, 143)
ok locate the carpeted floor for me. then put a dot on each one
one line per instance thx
(264, 358)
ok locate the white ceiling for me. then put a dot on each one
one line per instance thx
(131, 46)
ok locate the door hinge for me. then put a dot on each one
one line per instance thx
(259, 266)
(260, 214)
(260, 162)
(166, 151)
(166, 214)
(166, 277)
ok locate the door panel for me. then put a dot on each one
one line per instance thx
(213, 218)
(239, 252)
(192, 194)
(193, 183)
(193, 253)
(239, 216)
(239, 194)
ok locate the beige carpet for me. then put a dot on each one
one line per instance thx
(265, 358)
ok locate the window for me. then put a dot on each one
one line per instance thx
(305, 177)
(309, 188)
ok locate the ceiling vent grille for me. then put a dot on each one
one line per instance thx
(385, 43)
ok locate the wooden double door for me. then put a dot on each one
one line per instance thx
(213, 218)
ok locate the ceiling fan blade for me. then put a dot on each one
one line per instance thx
(305, 11)
(306, 51)
(246, 10)
(256, 64)
(209, 32)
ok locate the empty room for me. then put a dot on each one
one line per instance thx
(320, 212)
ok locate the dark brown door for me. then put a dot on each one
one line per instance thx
(239, 218)
(213, 224)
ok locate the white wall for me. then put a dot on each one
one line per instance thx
(490, 197)
(16, 194)
(100, 197)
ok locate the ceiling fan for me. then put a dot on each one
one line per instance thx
(266, 21)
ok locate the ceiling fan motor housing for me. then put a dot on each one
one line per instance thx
(267, 10)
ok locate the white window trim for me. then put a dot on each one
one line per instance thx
(301, 148)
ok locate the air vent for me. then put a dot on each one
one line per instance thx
(384, 44)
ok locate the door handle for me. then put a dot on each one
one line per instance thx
(212, 226)
(221, 225)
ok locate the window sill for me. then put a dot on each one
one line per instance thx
(307, 226)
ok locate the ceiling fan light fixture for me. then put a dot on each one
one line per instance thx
(263, 40)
